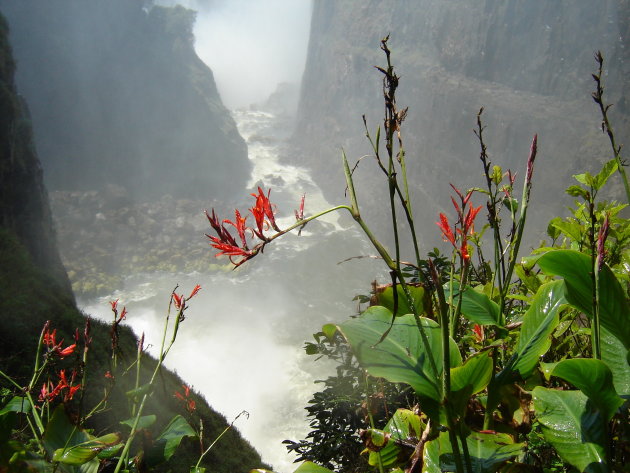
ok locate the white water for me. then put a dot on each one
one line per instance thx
(241, 343)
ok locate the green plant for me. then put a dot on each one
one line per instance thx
(474, 342)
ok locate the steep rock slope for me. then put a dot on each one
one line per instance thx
(34, 288)
(118, 95)
(528, 63)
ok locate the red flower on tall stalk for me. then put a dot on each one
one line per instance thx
(465, 222)
(50, 340)
(445, 226)
(184, 397)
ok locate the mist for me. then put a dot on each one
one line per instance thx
(251, 46)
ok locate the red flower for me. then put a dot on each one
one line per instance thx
(470, 220)
(263, 204)
(194, 292)
(299, 214)
(445, 226)
(50, 340)
(478, 333)
(68, 350)
(184, 397)
(178, 300)
(239, 224)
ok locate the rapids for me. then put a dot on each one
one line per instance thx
(241, 344)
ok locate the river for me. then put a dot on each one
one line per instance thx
(241, 345)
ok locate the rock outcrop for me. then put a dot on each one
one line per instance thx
(119, 96)
(528, 64)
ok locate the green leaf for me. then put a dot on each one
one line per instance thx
(143, 423)
(539, 322)
(329, 331)
(386, 299)
(487, 451)
(71, 445)
(168, 441)
(576, 268)
(403, 426)
(475, 372)
(607, 170)
(310, 467)
(592, 377)
(577, 191)
(401, 357)
(586, 179)
(60, 432)
(19, 404)
(552, 229)
(615, 355)
(574, 427)
(476, 306)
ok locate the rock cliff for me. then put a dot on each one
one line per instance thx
(34, 288)
(118, 95)
(528, 63)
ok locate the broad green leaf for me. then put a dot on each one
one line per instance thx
(310, 467)
(18, 404)
(475, 372)
(167, 442)
(386, 299)
(476, 306)
(573, 426)
(575, 268)
(571, 229)
(60, 432)
(401, 357)
(607, 170)
(431, 457)
(539, 322)
(86, 451)
(487, 451)
(590, 376)
(143, 423)
(404, 426)
(615, 355)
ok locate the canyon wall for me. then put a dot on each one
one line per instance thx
(527, 63)
(119, 96)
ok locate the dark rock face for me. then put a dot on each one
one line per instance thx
(119, 96)
(528, 63)
(24, 209)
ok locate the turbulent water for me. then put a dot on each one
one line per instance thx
(241, 344)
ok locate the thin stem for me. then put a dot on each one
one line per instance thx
(598, 97)
(219, 438)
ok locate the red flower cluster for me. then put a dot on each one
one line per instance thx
(464, 227)
(49, 391)
(263, 212)
(123, 314)
(50, 340)
(180, 301)
(184, 397)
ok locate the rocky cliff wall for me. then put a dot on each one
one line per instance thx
(118, 95)
(528, 63)
(25, 216)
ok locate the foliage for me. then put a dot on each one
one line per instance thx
(514, 365)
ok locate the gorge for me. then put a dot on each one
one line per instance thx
(135, 140)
